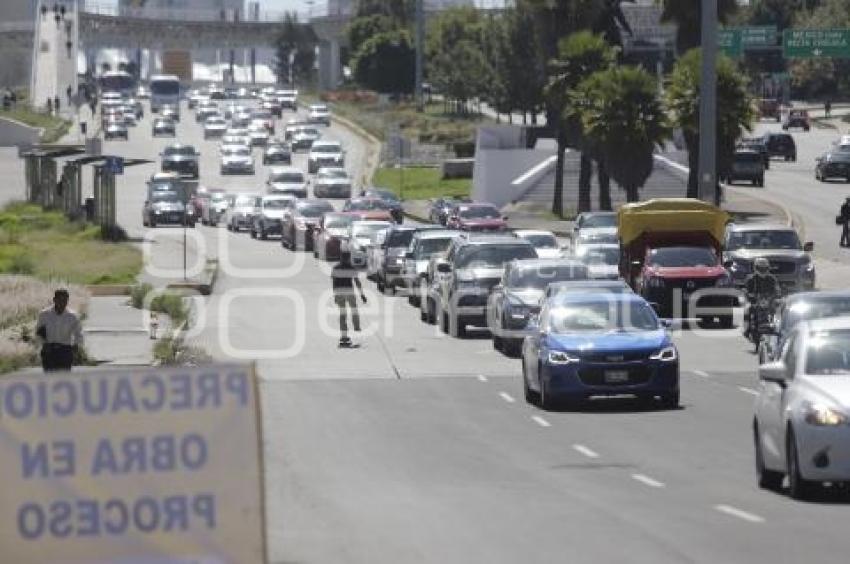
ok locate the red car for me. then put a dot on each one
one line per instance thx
(330, 232)
(373, 209)
(477, 217)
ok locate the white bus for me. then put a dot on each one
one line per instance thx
(165, 89)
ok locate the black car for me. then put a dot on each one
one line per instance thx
(833, 164)
(182, 159)
(758, 145)
(390, 198)
(277, 153)
(297, 226)
(781, 145)
(163, 127)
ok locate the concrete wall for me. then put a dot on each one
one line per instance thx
(13, 133)
(17, 10)
(15, 66)
(501, 162)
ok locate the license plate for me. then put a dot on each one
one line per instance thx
(616, 376)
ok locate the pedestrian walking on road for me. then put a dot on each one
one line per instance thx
(61, 333)
(844, 217)
(827, 108)
(56, 104)
(344, 278)
(69, 91)
(50, 105)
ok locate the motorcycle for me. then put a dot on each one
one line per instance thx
(760, 314)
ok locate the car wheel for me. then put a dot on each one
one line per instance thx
(767, 479)
(263, 234)
(531, 396)
(511, 347)
(727, 321)
(761, 182)
(253, 233)
(457, 329)
(547, 401)
(497, 342)
(382, 288)
(798, 487)
(670, 400)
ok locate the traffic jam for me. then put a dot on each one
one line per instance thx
(588, 314)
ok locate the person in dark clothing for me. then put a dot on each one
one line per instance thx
(845, 223)
(69, 91)
(827, 108)
(56, 104)
(60, 332)
(49, 105)
(760, 285)
(344, 278)
(62, 11)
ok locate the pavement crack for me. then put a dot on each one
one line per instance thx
(389, 357)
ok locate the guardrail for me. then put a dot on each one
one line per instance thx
(200, 15)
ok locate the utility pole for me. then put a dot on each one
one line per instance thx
(420, 48)
(707, 182)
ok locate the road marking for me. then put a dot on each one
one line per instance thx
(585, 451)
(507, 397)
(482, 378)
(748, 391)
(540, 421)
(702, 373)
(648, 481)
(739, 513)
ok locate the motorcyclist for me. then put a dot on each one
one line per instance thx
(761, 285)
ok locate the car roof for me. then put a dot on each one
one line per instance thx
(542, 262)
(826, 324)
(282, 169)
(332, 169)
(271, 197)
(816, 295)
(321, 142)
(521, 232)
(592, 296)
(590, 286)
(371, 222)
(437, 233)
(494, 240)
(755, 226)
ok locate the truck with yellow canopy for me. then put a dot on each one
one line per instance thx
(670, 253)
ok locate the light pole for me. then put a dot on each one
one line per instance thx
(420, 47)
(706, 181)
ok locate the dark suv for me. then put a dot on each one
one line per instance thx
(781, 145)
(472, 267)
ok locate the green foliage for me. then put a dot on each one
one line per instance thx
(622, 120)
(363, 28)
(174, 352)
(457, 65)
(420, 183)
(54, 127)
(385, 62)
(138, 293)
(400, 11)
(172, 305)
(686, 15)
(294, 38)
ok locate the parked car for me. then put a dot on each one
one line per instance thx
(298, 225)
(163, 127)
(390, 198)
(287, 180)
(369, 208)
(544, 242)
(599, 344)
(277, 152)
(746, 165)
(324, 153)
(517, 297)
(267, 216)
(790, 260)
(330, 233)
(180, 159)
(319, 113)
(332, 183)
(781, 145)
(833, 164)
(236, 159)
(800, 424)
(796, 118)
(239, 214)
(473, 265)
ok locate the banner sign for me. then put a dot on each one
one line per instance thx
(129, 466)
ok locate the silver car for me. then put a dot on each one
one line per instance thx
(236, 159)
(332, 182)
(214, 126)
(790, 260)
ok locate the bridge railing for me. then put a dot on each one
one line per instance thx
(193, 15)
(7, 27)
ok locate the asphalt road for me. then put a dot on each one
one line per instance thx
(419, 448)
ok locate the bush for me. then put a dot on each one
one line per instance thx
(138, 293)
(21, 264)
(174, 352)
(172, 306)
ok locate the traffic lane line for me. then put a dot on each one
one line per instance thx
(701, 373)
(540, 421)
(507, 397)
(482, 378)
(739, 513)
(750, 391)
(646, 480)
(585, 451)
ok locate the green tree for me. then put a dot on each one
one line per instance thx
(363, 28)
(623, 121)
(294, 40)
(385, 63)
(735, 111)
(686, 14)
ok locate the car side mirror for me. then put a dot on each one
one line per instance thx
(656, 307)
(809, 247)
(775, 372)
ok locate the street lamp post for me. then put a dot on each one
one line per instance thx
(706, 182)
(420, 47)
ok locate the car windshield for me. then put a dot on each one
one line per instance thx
(309, 132)
(484, 256)
(242, 201)
(767, 239)
(333, 173)
(338, 221)
(809, 309)
(479, 212)
(264, 115)
(384, 195)
(542, 240)
(610, 257)
(287, 177)
(540, 276)
(839, 156)
(276, 204)
(313, 210)
(609, 315)
(399, 238)
(672, 257)
(366, 205)
(748, 157)
(367, 230)
(239, 150)
(165, 196)
(828, 353)
(330, 148)
(599, 220)
(430, 247)
(182, 151)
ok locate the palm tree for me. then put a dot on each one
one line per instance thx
(623, 121)
(735, 111)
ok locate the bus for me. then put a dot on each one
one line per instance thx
(165, 89)
(117, 81)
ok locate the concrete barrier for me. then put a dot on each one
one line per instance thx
(14, 133)
(457, 168)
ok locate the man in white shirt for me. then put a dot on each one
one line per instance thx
(61, 333)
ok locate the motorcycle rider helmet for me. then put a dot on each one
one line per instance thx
(761, 266)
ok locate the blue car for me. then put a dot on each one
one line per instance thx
(599, 344)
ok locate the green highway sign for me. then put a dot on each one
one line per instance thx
(816, 43)
(759, 36)
(729, 42)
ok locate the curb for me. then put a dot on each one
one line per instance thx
(205, 285)
(105, 290)
(373, 148)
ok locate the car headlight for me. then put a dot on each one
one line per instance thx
(741, 267)
(724, 281)
(809, 267)
(655, 282)
(561, 357)
(667, 354)
(823, 416)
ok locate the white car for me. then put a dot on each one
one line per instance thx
(258, 134)
(602, 260)
(544, 242)
(228, 140)
(325, 153)
(214, 126)
(287, 180)
(595, 227)
(319, 113)
(332, 182)
(239, 213)
(236, 159)
(361, 236)
(802, 412)
(268, 214)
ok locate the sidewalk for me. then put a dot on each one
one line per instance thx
(117, 333)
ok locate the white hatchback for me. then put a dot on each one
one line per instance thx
(802, 413)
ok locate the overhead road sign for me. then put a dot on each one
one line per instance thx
(759, 36)
(135, 465)
(729, 42)
(816, 43)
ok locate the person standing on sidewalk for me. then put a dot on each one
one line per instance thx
(827, 108)
(56, 104)
(50, 105)
(69, 91)
(343, 279)
(61, 333)
(845, 223)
